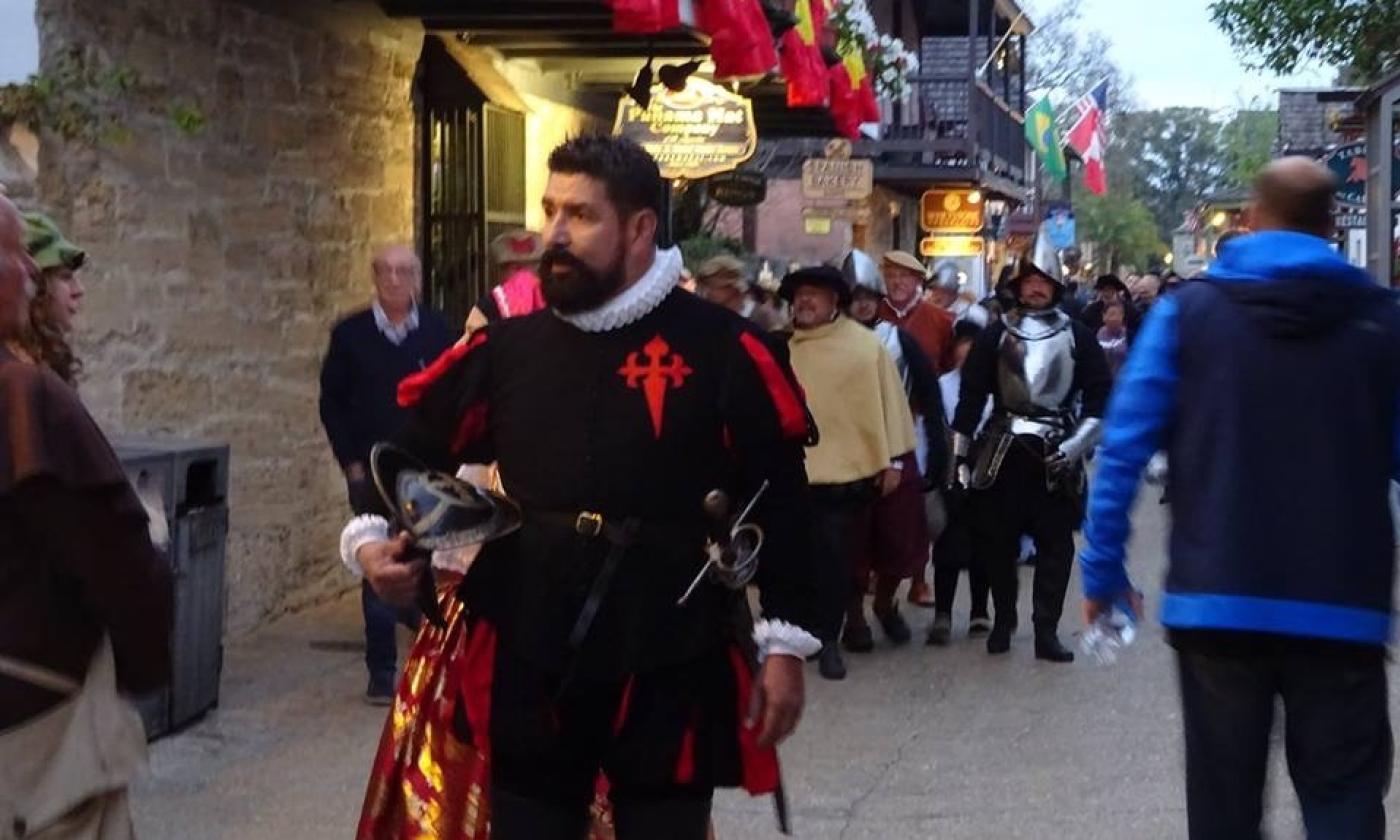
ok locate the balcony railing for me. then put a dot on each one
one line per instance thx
(959, 124)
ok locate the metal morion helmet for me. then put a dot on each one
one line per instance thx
(945, 276)
(860, 271)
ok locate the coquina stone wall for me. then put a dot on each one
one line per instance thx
(219, 258)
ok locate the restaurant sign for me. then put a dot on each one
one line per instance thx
(1348, 165)
(951, 211)
(697, 132)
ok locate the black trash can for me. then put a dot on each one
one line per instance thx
(189, 480)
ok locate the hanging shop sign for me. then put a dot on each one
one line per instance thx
(951, 246)
(739, 188)
(951, 211)
(699, 131)
(1348, 164)
(858, 214)
(835, 178)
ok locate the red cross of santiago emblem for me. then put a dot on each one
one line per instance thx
(656, 376)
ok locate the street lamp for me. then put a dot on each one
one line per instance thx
(1219, 219)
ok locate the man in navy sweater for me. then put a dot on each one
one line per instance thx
(1273, 383)
(371, 351)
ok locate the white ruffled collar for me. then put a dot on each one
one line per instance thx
(636, 300)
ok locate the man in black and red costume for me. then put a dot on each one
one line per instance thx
(612, 414)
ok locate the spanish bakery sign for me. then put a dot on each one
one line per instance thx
(696, 132)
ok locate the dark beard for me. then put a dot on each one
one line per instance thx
(579, 288)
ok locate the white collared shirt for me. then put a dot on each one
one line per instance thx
(396, 333)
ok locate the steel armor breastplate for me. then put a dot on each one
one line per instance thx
(1035, 364)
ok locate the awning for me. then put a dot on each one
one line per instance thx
(480, 67)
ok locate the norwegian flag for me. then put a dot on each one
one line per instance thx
(1088, 136)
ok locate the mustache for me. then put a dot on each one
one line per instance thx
(558, 255)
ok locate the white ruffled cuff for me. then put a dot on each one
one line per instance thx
(777, 637)
(366, 528)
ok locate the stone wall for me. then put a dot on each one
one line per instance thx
(219, 259)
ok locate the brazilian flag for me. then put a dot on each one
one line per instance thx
(1044, 137)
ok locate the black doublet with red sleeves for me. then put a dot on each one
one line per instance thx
(637, 422)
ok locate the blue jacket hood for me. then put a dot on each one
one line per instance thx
(1292, 284)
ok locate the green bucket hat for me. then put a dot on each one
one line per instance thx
(47, 246)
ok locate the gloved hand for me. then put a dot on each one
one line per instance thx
(1058, 463)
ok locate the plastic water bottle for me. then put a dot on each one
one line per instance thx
(1110, 633)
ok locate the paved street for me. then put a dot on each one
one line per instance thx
(916, 743)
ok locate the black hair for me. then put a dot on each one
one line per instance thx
(629, 175)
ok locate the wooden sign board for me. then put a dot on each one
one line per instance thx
(848, 180)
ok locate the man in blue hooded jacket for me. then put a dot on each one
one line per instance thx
(1273, 383)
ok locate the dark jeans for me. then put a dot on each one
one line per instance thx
(381, 649)
(1336, 732)
(1020, 503)
(953, 553)
(836, 509)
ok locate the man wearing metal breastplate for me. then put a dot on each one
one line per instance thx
(1048, 382)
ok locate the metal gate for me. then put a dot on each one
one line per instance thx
(454, 220)
(472, 181)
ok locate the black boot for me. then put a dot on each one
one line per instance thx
(1048, 647)
(942, 630)
(999, 640)
(895, 627)
(830, 664)
(857, 638)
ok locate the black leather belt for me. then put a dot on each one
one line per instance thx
(587, 523)
(620, 537)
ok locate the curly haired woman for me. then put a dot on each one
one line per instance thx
(58, 296)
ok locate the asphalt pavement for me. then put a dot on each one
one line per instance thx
(916, 743)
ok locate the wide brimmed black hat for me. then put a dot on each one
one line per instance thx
(440, 512)
(818, 275)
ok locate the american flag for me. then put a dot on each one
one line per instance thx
(1088, 136)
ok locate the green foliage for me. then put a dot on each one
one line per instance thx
(1363, 35)
(1248, 142)
(81, 99)
(1121, 225)
(1170, 158)
(187, 118)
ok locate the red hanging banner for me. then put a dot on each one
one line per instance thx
(741, 43)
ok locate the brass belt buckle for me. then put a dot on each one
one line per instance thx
(589, 524)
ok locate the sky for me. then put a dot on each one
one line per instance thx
(19, 42)
(1176, 55)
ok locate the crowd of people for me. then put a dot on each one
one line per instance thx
(573, 676)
